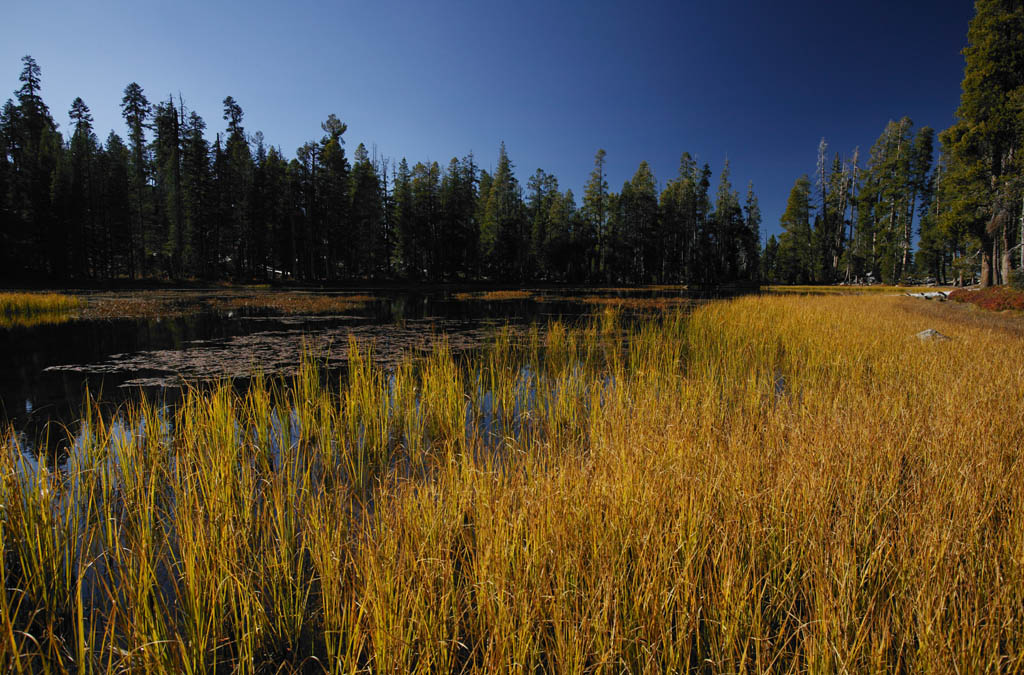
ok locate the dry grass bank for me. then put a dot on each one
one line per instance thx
(783, 484)
(853, 289)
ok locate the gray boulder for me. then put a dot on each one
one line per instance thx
(932, 335)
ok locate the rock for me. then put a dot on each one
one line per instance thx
(932, 335)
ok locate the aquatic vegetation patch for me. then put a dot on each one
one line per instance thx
(163, 304)
(279, 352)
(290, 303)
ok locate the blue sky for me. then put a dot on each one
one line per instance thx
(759, 83)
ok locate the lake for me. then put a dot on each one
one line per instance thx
(125, 344)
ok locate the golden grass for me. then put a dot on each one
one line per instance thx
(849, 290)
(29, 309)
(661, 304)
(496, 295)
(773, 483)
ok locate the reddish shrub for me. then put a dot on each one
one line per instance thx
(996, 298)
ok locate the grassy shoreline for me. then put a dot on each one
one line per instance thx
(28, 309)
(770, 483)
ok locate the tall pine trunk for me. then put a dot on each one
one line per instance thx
(1007, 254)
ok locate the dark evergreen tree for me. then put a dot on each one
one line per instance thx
(407, 260)
(770, 261)
(728, 231)
(641, 221)
(201, 247)
(748, 263)
(34, 147)
(459, 227)
(114, 185)
(135, 109)
(595, 218)
(796, 255)
(169, 199)
(985, 145)
(503, 227)
(427, 217)
(80, 224)
(367, 218)
(678, 207)
(346, 250)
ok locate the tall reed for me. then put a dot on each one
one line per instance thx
(28, 309)
(782, 484)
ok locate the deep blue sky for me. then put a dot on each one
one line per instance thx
(759, 83)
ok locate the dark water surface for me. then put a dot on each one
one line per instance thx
(46, 370)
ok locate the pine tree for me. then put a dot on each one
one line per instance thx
(200, 249)
(796, 245)
(769, 261)
(276, 205)
(367, 217)
(135, 110)
(986, 143)
(503, 226)
(728, 230)
(540, 189)
(749, 249)
(595, 217)
(703, 260)
(237, 191)
(678, 206)
(35, 148)
(407, 245)
(561, 259)
(114, 199)
(169, 202)
(9, 236)
(460, 232)
(81, 225)
(639, 205)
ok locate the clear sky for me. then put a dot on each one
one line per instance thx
(757, 82)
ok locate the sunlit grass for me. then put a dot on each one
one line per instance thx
(853, 289)
(496, 295)
(773, 483)
(639, 304)
(29, 309)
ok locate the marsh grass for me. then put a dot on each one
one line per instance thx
(778, 484)
(30, 309)
(658, 304)
(497, 295)
(838, 289)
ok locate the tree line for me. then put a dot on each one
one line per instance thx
(853, 222)
(167, 203)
